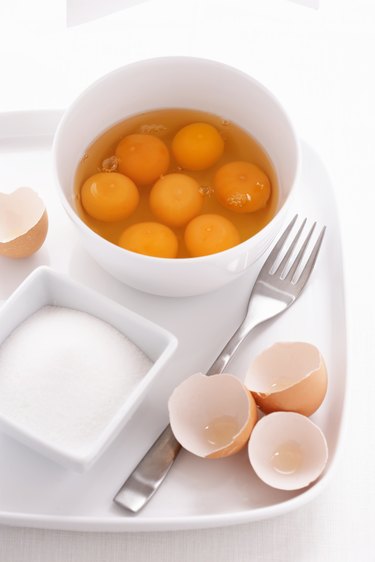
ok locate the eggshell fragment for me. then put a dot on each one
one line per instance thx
(212, 416)
(23, 223)
(288, 376)
(287, 450)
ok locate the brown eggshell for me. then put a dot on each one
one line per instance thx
(198, 401)
(23, 223)
(301, 365)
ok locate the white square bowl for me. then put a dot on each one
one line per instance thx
(47, 287)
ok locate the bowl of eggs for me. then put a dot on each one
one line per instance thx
(177, 172)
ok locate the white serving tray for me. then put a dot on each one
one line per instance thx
(197, 493)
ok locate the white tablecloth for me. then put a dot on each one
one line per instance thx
(320, 65)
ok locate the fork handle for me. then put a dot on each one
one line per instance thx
(231, 346)
(151, 471)
(149, 474)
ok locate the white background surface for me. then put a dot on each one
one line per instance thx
(320, 65)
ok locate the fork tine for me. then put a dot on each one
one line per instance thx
(306, 272)
(285, 259)
(279, 244)
(295, 264)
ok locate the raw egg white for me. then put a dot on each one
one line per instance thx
(23, 223)
(288, 376)
(212, 416)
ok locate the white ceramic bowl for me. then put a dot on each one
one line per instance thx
(177, 82)
(46, 287)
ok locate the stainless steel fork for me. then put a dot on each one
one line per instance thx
(276, 288)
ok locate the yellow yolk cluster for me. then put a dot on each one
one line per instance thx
(166, 172)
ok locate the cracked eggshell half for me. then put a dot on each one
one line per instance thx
(288, 376)
(287, 450)
(23, 223)
(212, 416)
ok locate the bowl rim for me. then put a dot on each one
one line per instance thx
(230, 252)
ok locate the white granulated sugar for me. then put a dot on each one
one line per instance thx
(64, 374)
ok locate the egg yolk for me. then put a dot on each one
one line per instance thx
(175, 199)
(242, 187)
(208, 234)
(143, 158)
(197, 146)
(151, 239)
(109, 197)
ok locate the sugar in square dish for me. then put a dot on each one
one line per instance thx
(73, 367)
